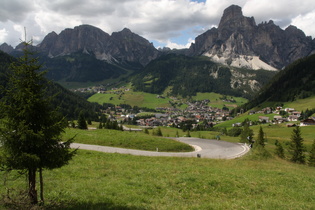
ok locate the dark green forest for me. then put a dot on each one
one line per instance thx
(296, 81)
(189, 75)
(80, 67)
(68, 103)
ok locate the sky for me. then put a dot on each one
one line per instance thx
(165, 23)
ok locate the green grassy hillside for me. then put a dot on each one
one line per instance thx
(302, 104)
(131, 140)
(142, 99)
(216, 100)
(139, 99)
(95, 180)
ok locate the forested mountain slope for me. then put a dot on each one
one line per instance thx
(296, 81)
(188, 75)
(68, 102)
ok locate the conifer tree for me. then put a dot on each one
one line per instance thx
(81, 121)
(311, 159)
(188, 134)
(107, 124)
(30, 127)
(260, 139)
(297, 148)
(246, 134)
(100, 126)
(279, 150)
(146, 131)
(159, 132)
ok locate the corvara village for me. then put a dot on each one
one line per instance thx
(157, 104)
(197, 112)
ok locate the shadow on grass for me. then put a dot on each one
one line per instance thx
(73, 205)
(87, 206)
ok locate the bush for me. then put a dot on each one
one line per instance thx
(235, 131)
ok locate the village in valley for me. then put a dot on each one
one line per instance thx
(196, 112)
(199, 112)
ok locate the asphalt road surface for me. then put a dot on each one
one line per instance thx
(204, 148)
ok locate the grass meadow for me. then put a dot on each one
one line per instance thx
(216, 101)
(149, 100)
(302, 104)
(95, 180)
(127, 139)
(139, 99)
(241, 118)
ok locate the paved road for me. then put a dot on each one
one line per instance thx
(204, 148)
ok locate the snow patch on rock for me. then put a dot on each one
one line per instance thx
(105, 57)
(246, 61)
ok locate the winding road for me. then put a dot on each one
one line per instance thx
(204, 148)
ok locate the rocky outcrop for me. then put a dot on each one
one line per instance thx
(239, 42)
(120, 46)
(83, 38)
(6, 48)
(126, 45)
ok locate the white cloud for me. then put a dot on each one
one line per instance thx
(281, 11)
(56, 21)
(22, 31)
(160, 20)
(173, 45)
(3, 35)
(15, 10)
(304, 22)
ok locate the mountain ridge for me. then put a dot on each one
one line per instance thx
(87, 53)
(119, 46)
(238, 36)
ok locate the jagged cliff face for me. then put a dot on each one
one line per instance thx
(120, 46)
(85, 38)
(6, 48)
(129, 46)
(239, 42)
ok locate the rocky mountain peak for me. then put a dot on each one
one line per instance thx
(6, 48)
(294, 31)
(233, 21)
(84, 38)
(118, 47)
(128, 46)
(126, 31)
(239, 42)
(233, 12)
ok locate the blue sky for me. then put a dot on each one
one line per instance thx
(170, 23)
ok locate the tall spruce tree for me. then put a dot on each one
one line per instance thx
(246, 134)
(311, 159)
(279, 150)
(296, 147)
(159, 132)
(260, 138)
(81, 121)
(30, 127)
